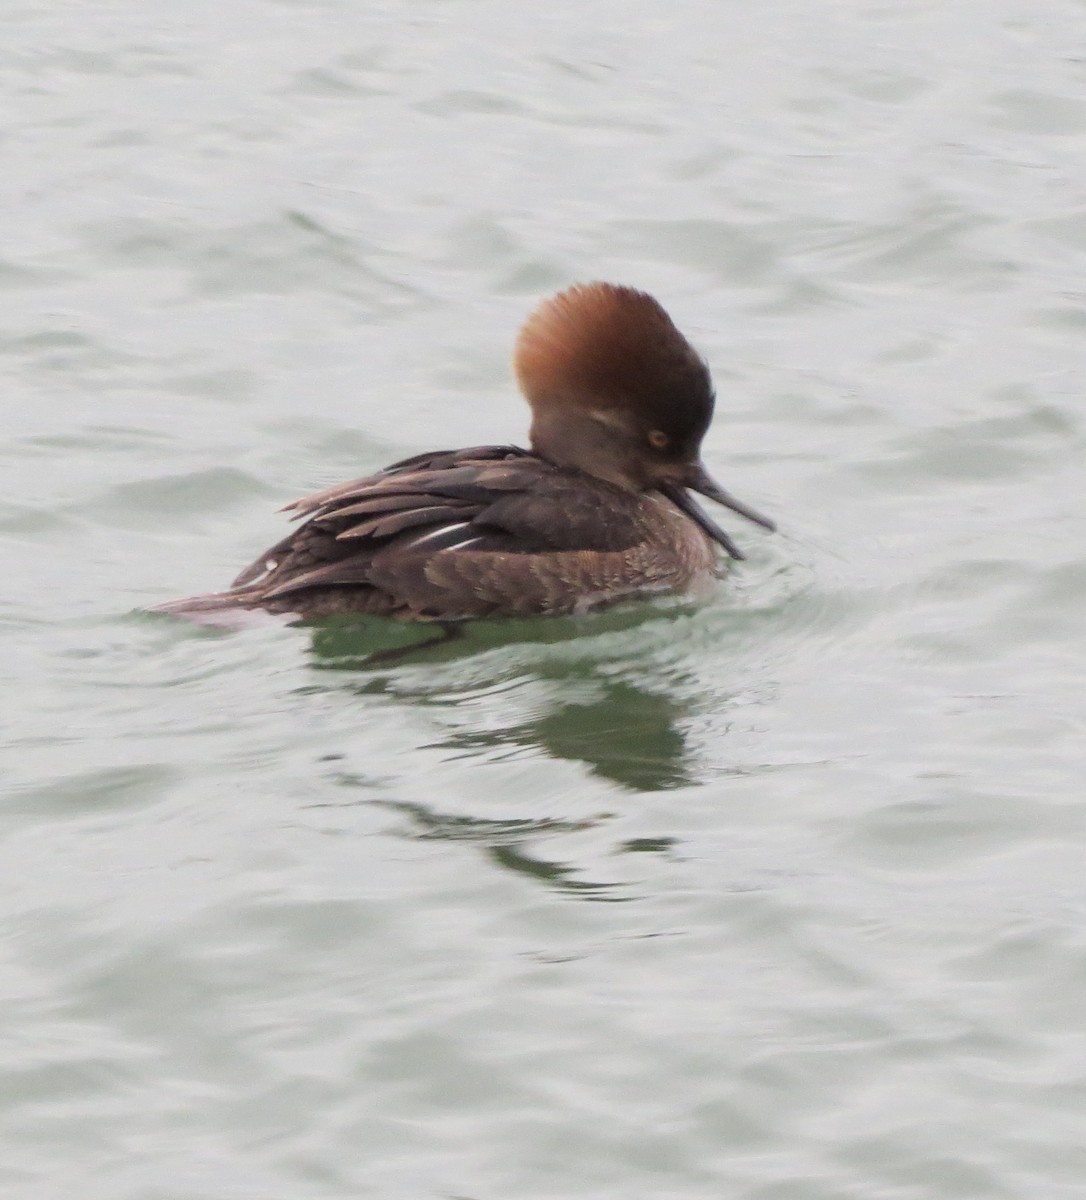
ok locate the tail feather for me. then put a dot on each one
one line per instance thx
(242, 607)
(227, 610)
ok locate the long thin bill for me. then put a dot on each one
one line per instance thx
(700, 480)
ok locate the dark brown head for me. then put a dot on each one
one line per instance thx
(617, 391)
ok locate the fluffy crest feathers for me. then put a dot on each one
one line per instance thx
(602, 346)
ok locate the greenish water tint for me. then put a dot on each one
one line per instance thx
(779, 897)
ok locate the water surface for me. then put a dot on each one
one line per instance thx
(779, 897)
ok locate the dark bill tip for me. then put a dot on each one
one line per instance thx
(682, 500)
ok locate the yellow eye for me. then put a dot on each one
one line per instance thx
(658, 438)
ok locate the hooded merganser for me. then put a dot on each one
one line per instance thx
(597, 511)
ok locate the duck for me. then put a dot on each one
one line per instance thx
(597, 510)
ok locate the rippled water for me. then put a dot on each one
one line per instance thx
(779, 898)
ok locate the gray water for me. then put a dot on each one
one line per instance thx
(777, 898)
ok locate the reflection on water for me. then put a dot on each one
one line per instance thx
(360, 643)
(506, 843)
(624, 734)
(621, 730)
(596, 693)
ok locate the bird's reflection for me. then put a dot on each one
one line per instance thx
(629, 729)
(507, 843)
(606, 694)
(623, 733)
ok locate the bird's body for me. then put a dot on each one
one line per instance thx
(471, 533)
(596, 512)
